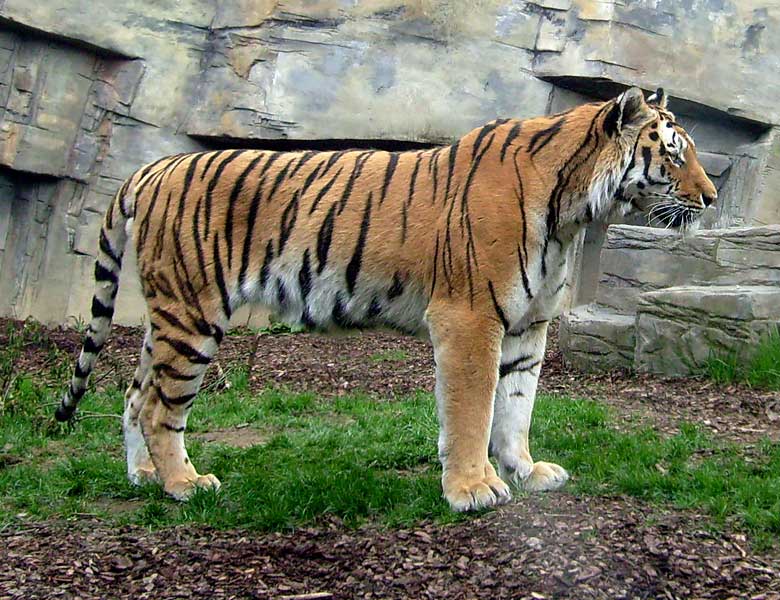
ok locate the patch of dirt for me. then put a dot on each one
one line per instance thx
(552, 546)
(238, 437)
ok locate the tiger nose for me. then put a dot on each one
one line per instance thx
(708, 200)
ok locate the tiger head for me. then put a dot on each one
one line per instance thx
(664, 179)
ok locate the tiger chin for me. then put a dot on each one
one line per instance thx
(467, 242)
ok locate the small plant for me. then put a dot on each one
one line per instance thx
(760, 369)
(389, 356)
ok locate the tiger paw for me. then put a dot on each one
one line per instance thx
(464, 495)
(545, 477)
(143, 475)
(184, 490)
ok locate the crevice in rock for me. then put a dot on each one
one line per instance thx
(289, 145)
(11, 25)
(604, 88)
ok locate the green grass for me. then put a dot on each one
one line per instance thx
(397, 355)
(761, 369)
(356, 458)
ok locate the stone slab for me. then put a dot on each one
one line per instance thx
(679, 328)
(641, 259)
(593, 339)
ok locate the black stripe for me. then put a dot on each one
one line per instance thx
(79, 372)
(171, 427)
(472, 171)
(190, 173)
(360, 161)
(76, 394)
(183, 348)
(451, 168)
(339, 316)
(524, 275)
(172, 319)
(397, 288)
(287, 223)
(334, 157)
(545, 136)
(220, 276)
(324, 190)
(303, 160)
(144, 171)
(392, 162)
(90, 346)
(211, 159)
(513, 133)
(271, 160)
(213, 181)
(237, 187)
(277, 182)
(353, 268)
(324, 238)
(304, 276)
(281, 293)
(201, 325)
(174, 373)
(410, 196)
(200, 253)
(104, 274)
(310, 179)
(105, 246)
(121, 197)
(514, 366)
(374, 309)
(497, 306)
(435, 176)
(100, 310)
(171, 401)
(520, 194)
(265, 270)
(435, 265)
(481, 136)
(249, 236)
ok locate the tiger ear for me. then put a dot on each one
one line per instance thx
(629, 110)
(659, 98)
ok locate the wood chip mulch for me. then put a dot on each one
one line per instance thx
(552, 546)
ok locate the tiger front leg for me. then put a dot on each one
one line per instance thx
(466, 351)
(521, 361)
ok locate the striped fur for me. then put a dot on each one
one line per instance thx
(467, 241)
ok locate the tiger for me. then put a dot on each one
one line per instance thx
(467, 243)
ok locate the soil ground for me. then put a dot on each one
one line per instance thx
(541, 546)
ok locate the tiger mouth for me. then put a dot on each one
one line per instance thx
(673, 215)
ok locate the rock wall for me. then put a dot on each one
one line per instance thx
(90, 91)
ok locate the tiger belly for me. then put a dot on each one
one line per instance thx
(322, 301)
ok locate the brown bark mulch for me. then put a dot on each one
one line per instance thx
(552, 546)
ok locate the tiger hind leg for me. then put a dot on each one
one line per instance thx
(179, 361)
(140, 468)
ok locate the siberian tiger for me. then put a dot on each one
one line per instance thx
(467, 241)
